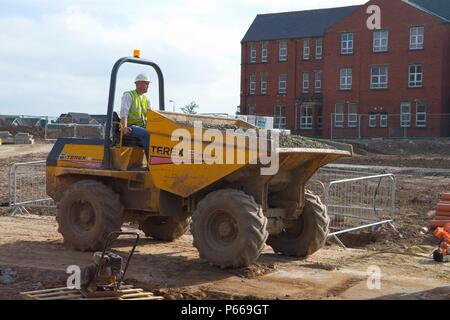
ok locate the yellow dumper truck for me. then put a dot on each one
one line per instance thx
(193, 177)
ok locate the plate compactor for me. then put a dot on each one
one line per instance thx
(105, 276)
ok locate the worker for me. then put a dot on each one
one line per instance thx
(134, 111)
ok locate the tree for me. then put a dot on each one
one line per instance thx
(190, 108)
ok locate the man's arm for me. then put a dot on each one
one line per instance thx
(125, 128)
(125, 107)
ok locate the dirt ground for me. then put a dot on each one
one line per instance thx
(31, 246)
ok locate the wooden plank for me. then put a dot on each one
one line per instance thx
(147, 298)
(128, 293)
(45, 290)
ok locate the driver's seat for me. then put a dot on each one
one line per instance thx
(127, 141)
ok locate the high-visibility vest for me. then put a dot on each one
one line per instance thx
(137, 115)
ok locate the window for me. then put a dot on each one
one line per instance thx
(421, 115)
(345, 79)
(282, 52)
(252, 52)
(305, 82)
(282, 84)
(280, 117)
(416, 38)
(405, 114)
(252, 84)
(252, 109)
(415, 76)
(372, 120)
(264, 51)
(317, 81)
(306, 117)
(383, 120)
(339, 115)
(319, 117)
(379, 77)
(306, 49)
(352, 115)
(319, 49)
(380, 40)
(347, 43)
(263, 83)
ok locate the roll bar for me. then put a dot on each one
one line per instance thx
(112, 91)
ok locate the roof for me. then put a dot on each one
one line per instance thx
(297, 24)
(100, 118)
(439, 8)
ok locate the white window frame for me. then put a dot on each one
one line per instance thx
(421, 116)
(375, 73)
(279, 119)
(252, 52)
(372, 120)
(352, 115)
(339, 116)
(305, 82)
(347, 42)
(317, 81)
(383, 120)
(282, 84)
(263, 87)
(345, 78)
(405, 117)
(416, 38)
(282, 50)
(264, 51)
(319, 48)
(252, 84)
(306, 49)
(306, 117)
(381, 41)
(415, 78)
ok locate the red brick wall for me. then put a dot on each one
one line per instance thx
(293, 67)
(397, 17)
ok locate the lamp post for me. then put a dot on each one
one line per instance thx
(173, 105)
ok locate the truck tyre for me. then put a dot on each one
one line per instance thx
(229, 229)
(309, 232)
(165, 228)
(87, 213)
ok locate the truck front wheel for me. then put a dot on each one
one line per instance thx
(229, 228)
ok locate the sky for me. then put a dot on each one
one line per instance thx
(56, 56)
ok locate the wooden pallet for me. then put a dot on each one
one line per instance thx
(128, 292)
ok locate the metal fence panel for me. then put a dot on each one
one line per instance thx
(54, 131)
(27, 187)
(355, 200)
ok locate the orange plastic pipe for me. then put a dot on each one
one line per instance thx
(445, 196)
(443, 206)
(439, 223)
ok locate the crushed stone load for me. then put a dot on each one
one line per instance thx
(294, 141)
(285, 140)
(206, 125)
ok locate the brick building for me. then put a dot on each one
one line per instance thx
(324, 72)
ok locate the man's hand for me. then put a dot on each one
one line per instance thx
(126, 130)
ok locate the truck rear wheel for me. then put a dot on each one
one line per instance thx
(165, 228)
(229, 228)
(87, 213)
(309, 232)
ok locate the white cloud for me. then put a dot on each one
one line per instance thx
(57, 56)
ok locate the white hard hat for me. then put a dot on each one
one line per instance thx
(142, 77)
